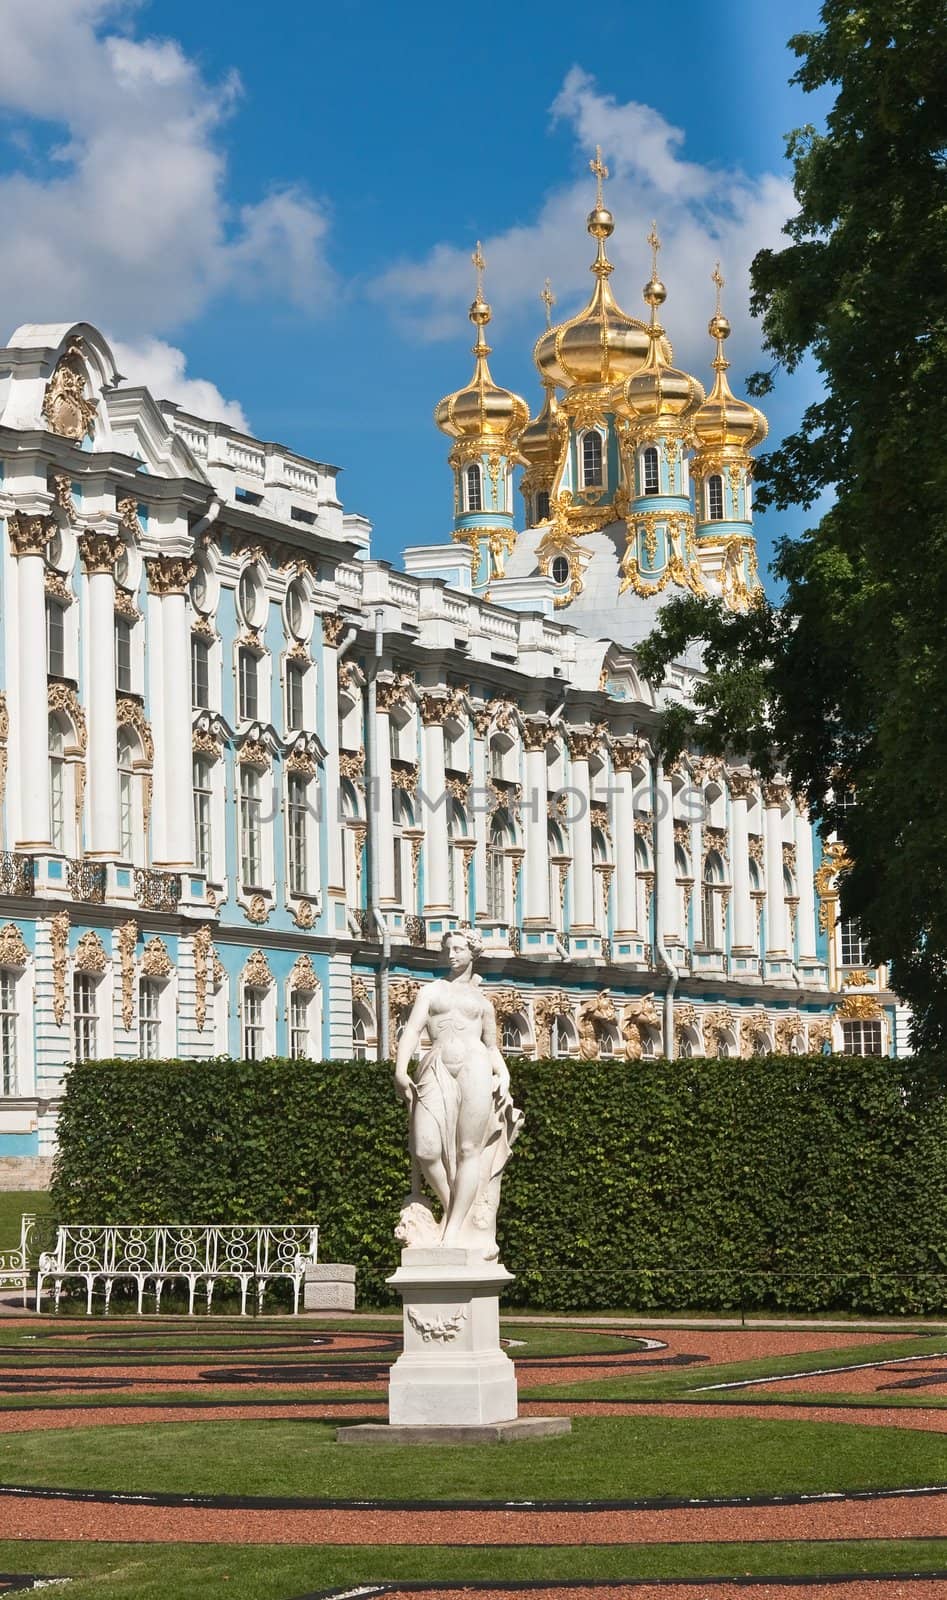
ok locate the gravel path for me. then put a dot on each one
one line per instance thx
(892, 1517)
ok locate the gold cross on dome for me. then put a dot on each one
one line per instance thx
(479, 263)
(655, 244)
(717, 279)
(601, 173)
(548, 299)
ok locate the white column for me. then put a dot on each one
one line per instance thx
(480, 815)
(332, 626)
(434, 785)
(536, 904)
(169, 577)
(668, 899)
(30, 744)
(777, 922)
(580, 806)
(806, 886)
(744, 911)
(99, 554)
(626, 866)
(380, 816)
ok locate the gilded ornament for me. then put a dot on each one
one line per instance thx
(333, 627)
(129, 714)
(718, 1024)
(60, 698)
(755, 1036)
(507, 1003)
(169, 575)
(640, 1017)
(303, 976)
(127, 941)
(205, 742)
(58, 589)
(858, 979)
(627, 754)
(352, 765)
(62, 489)
(253, 753)
(201, 947)
(755, 848)
(124, 604)
(545, 1008)
(859, 1008)
(67, 410)
(100, 552)
(155, 960)
(59, 943)
(89, 955)
(789, 857)
(742, 786)
(127, 509)
(13, 951)
(256, 972)
(29, 535)
(305, 914)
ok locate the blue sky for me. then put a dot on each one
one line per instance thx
(271, 209)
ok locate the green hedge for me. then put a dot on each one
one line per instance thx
(784, 1182)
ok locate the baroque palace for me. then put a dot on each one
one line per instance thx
(250, 775)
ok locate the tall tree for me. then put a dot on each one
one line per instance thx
(843, 684)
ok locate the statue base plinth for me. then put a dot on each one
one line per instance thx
(452, 1371)
(520, 1429)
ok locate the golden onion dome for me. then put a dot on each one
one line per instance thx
(482, 410)
(723, 422)
(540, 442)
(603, 344)
(657, 392)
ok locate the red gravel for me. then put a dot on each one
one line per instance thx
(868, 1380)
(894, 1518)
(858, 1589)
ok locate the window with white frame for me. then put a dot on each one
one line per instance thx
(592, 460)
(650, 474)
(299, 1012)
(203, 782)
(85, 1018)
(473, 488)
(712, 930)
(854, 948)
(129, 809)
(251, 827)
(248, 683)
(456, 874)
(715, 497)
(200, 672)
(9, 1025)
(496, 875)
(361, 1032)
(295, 696)
(862, 1038)
(401, 818)
(149, 1019)
(55, 638)
(562, 1036)
(297, 830)
(123, 655)
(57, 784)
(511, 1036)
(254, 1025)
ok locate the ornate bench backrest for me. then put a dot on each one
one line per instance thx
(281, 1246)
(136, 1247)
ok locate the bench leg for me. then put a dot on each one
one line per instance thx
(90, 1280)
(141, 1293)
(297, 1285)
(209, 1290)
(39, 1292)
(191, 1287)
(58, 1292)
(159, 1285)
(244, 1286)
(108, 1293)
(260, 1291)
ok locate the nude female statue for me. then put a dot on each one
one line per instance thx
(462, 1119)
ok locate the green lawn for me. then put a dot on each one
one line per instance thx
(278, 1572)
(606, 1458)
(13, 1203)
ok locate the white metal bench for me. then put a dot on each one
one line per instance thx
(195, 1253)
(15, 1270)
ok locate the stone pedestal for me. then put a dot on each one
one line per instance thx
(452, 1370)
(329, 1286)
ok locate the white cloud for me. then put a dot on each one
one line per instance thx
(162, 368)
(122, 219)
(703, 212)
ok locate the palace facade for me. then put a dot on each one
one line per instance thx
(250, 776)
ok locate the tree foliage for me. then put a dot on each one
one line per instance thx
(795, 1183)
(843, 684)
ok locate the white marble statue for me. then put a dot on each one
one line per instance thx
(462, 1119)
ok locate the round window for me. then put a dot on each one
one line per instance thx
(250, 597)
(128, 567)
(199, 590)
(298, 618)
(560, 570)
(61, 551)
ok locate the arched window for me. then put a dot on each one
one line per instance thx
(129, 811)
(511, 1036)
(457, 877)
(401, 818)
(562, 1037)
(297, 832)
(556, 867)
(715, 497)
(542, 505)
(496, 874)
(592, 460)
(203, 783)
(650, 475)
(473, 484)
(712, 904)
(57, 784)
(359, 1052)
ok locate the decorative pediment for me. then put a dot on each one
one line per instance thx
(89, 954)
(256, 973)
(13, 951)
(303, 976)
(67, 408)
